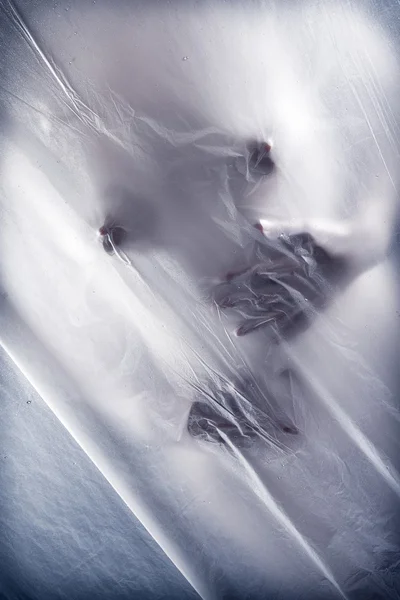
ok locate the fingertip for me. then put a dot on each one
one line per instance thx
(292, 429)
(241, 331)
(102, 231)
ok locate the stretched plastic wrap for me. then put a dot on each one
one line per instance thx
(198, 270)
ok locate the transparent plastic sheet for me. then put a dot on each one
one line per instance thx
(64, 532)
(198, 274)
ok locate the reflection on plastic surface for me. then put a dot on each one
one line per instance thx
(198, 212)
(79, 540)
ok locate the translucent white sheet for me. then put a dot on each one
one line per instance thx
(64, 533)
(236, 385)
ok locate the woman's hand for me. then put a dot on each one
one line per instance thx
(291, 278)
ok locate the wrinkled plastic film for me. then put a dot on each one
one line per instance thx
(198, 272)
